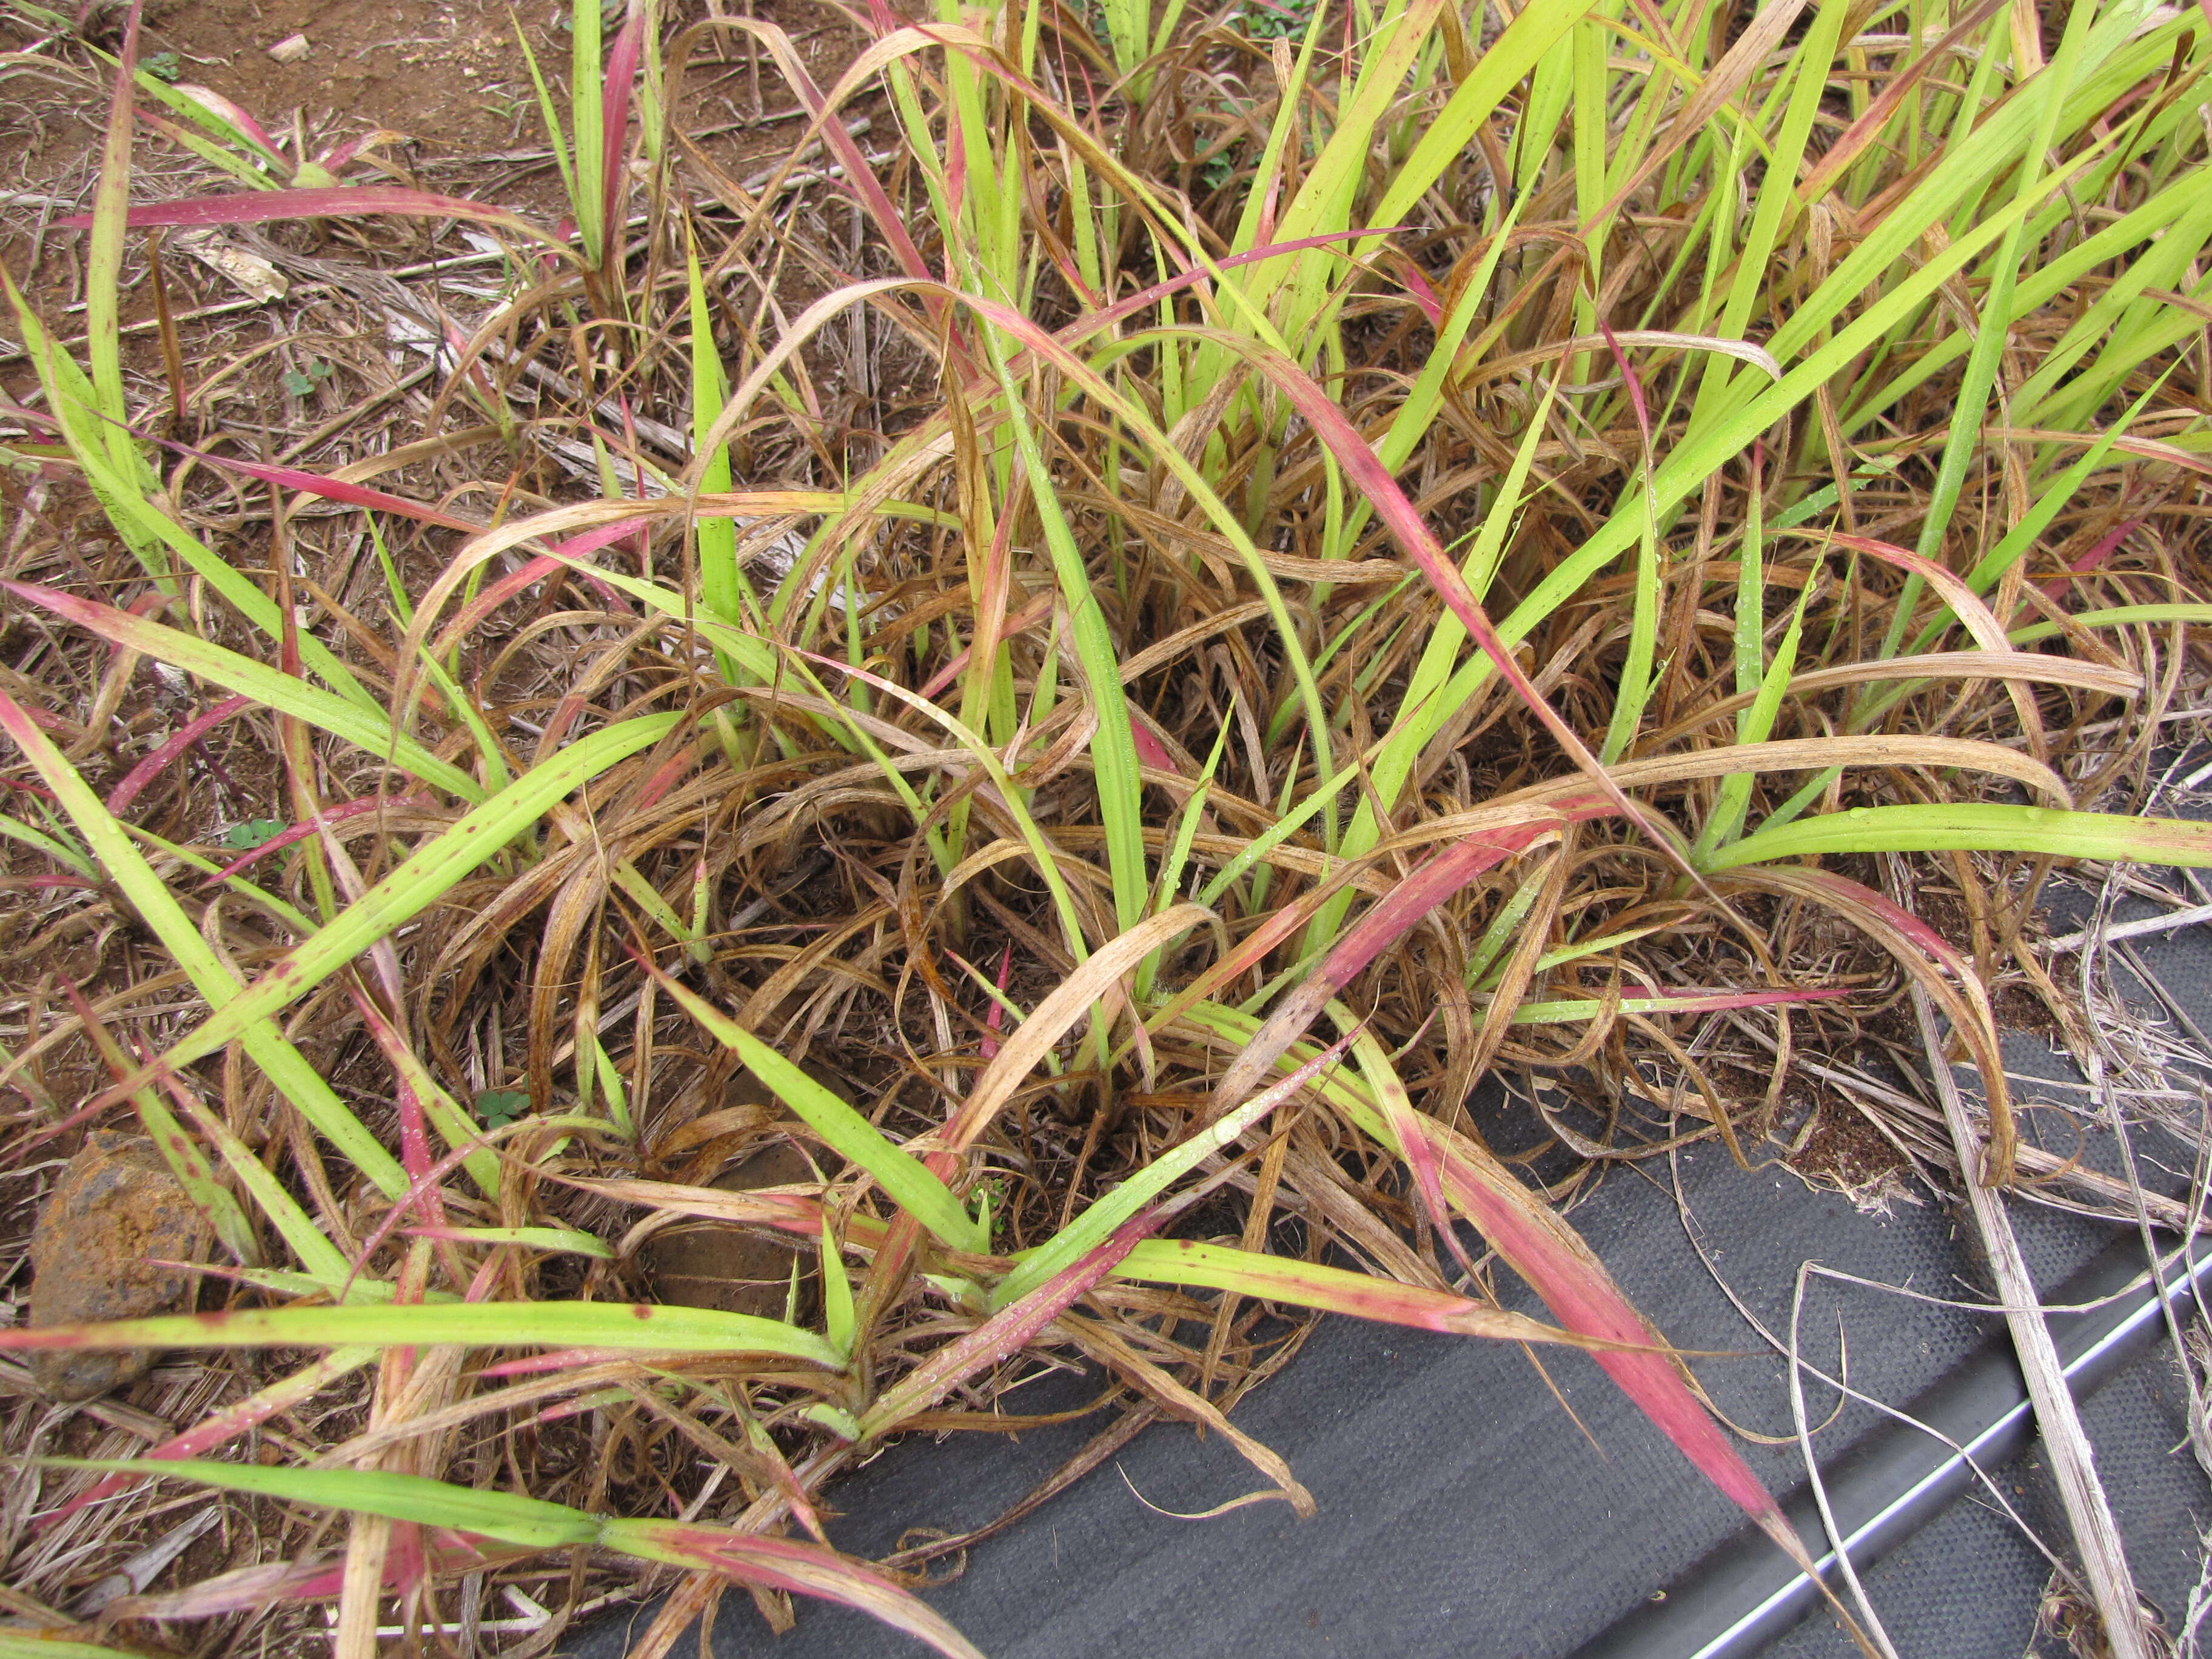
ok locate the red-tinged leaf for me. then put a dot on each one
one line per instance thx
(860, 178)
(565, 555)
(564, 1359)
(1551, 1257)
(334, 489)
(2093, 558)
(614, 124)
(1416, 286)
(996, 1019)
(1941, 970)
(1006, 1332)
(1146, 300)
(787, 1213)
(1330, 1289)
(249, 1589)
(1635, 389)
(223, 109)
(794, 1565)
(228, 1423)
(161, 760)
(1980, 622)
(261, 207)
(1396, 510)
(1882, 110)
(1384, 923)
(338, 159)
(1031, 614)
(1151, 751)
(1858, 896)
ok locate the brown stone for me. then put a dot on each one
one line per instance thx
(698, 1263)
(114, 1211)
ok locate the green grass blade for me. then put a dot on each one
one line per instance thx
(904, 1180)
(485, 1512)
(419, 883)
(1975, 826)
(284, 693)
(284, 1066)
(623, 1326)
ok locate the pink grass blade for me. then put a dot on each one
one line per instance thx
(860, 177)
(2093, 559)
(566, 555)
(1551, 1259)
(1382, 925)
(1369, 475)
(1005, 1333)
(286, 694)
(1635, 383)
(786, 1212)
(623, 62)
(311, 1579)
(1940, 969)
(466, 1141)
(1332, 1290)
(161, 759)
(340, 202)
(224, 110)
(794, 1565)
(334, 489)
(1980, 622)
(1869, 127)
(212, 1432)
(1555, 1262)
(995, 1019)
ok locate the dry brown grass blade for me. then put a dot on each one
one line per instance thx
(1161, 1387)
(1092, 984)
(2065, 1443)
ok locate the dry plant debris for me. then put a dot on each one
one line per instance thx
(1153, 595)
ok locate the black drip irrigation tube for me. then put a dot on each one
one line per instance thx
(1897, 1479)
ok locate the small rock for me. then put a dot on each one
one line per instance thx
(697, 1263)
(290, 50)
(116, 1207)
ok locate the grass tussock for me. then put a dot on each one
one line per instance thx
(1092, 641)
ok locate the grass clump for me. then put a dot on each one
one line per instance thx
(1209, 589)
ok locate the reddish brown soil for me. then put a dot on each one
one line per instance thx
(452, 77)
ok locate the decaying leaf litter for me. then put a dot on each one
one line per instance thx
(1082, 622)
